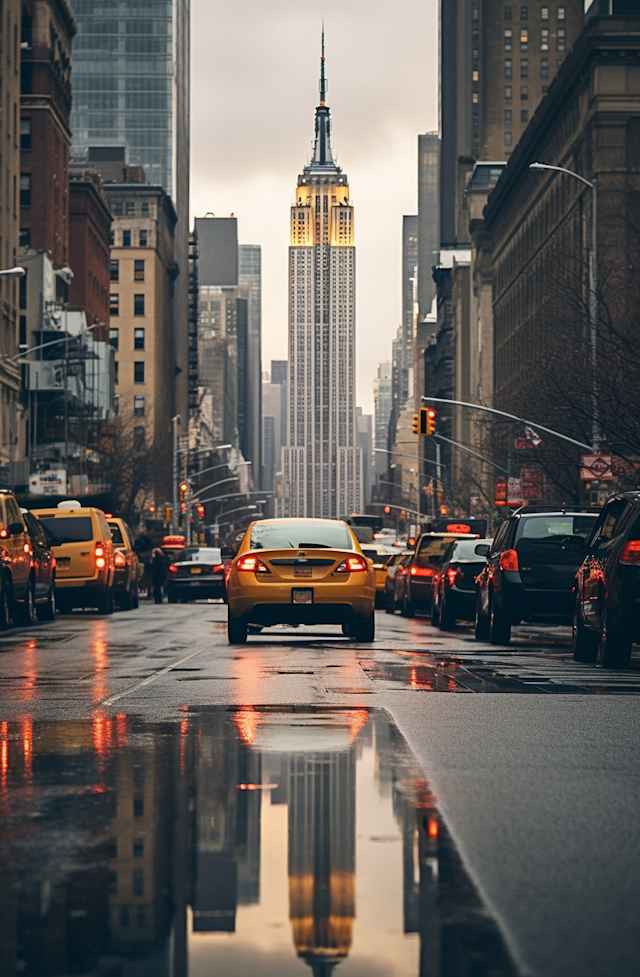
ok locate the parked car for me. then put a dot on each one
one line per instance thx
(607, 586)
(301, 571)
(454, 585)
(394, 565)
(126, 566)
(530, 570)
(44, 569)
(196, 573)
(17, 583)
(413, 587)
(81, 541)
(380, 560)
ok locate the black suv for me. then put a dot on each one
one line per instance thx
(530, 570)
(607, 586)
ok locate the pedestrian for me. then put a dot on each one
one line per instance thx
(158, 574)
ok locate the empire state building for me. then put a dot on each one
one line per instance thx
(321, 465)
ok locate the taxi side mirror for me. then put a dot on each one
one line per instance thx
(482, 549)
(15, 528)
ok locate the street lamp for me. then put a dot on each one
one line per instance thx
(593, 287)
(16, 272)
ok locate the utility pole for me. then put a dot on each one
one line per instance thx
(174, 514)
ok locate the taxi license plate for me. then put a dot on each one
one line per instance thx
(63, 562)
(196, 569)
(301, 596)
(302, 572)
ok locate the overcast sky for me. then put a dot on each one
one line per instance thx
(255, 68)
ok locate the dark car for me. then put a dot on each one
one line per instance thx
(454, 585)
(530, 571)
(17, 590)
(607, 586)
(44, 569)
(126, 576)
(393, 568)
(413, 588)
(196, 572)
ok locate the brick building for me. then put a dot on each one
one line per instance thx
(89, 254)
(48, 27)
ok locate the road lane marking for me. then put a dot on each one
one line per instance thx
(148, 680)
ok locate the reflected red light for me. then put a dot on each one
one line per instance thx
(433, 829)
(247, 720)
(357, 719)
(27, 745)
(414, 677)
(4, 754)
(121, 729)
(98, 729)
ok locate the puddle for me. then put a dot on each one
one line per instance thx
(231, 842)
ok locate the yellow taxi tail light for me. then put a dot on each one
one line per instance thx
(251, 564)
(352, 564)
(120, 559)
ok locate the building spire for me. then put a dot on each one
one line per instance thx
(323, 86)
(322, 149)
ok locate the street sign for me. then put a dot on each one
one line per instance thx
(531, 481)
(523, 444)
(596, 467)
(532, 436)
(514, 492)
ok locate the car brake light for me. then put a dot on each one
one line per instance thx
(251, 564)
(4, 533)
(631, 552)
(352, 564)
(27, 548)
(99, 549)
(120, 559)
(509, 560)
(173, 568)
(421, 571)
(452, 576)
(54, 563)
(219, 568)
(101, 562)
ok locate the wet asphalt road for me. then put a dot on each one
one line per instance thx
(531, 762)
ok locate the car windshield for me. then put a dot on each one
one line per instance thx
(300, 535)
(68, 529)
(554, 527)
(465, 549)
(203, 554)
(116, 534)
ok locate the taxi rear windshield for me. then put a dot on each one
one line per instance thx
(68, 529)
(300, 535)
(555, 527)
(116, 534)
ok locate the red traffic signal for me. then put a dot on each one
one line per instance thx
(387, 509)
(432, 417)
(443, 510)
(200, 511)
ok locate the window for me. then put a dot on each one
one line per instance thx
(507, 67)
(474, 76)
(544, 68)
(130, 208)
(139, 438)
(544, 13)
(524, 68)
(561, 39)
(138, 847)
(507, 13)
(545, 89)
(143, 239)
(116, 372)
(138, 338)
(138, 802)
(138, 404)
(524, 13)
(25, 189)
(507, 39)
(475, 54)
(25, 133)
(114, 336)
(114, 271)
(126, 239)
(524, 115)
(507, 138)
(112, 237)
(524, 40)
(507, 117)
(116, 208)
(544, 39)
(137, 884)
(138, 271)
(144, 208)
(524, 93)
(114, 304)
(508, 92)
(138, 304)
(474, 98)
(112, 848)
(25, 237)
(138, 371)
(560, 13)
(559, 62)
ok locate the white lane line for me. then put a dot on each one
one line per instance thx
(148, 680)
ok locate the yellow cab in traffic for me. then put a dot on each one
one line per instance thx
(81, 542)
(301, 571)
(381, 557)
(125, 564)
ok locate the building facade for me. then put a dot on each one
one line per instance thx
(250, 277)
(89, 255)
(321, 464)
(428, 219)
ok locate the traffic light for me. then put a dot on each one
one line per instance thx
(443, 510)
(387, 509)
(152, 508)
(168, 513)
(200, 511)
(416, 423)
(431, 417)
(184, 488)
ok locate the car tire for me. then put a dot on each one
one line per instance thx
(63, 605)
(105, 603)
(481, 625)
(447, 620)
(135, 600)
(171, 598)
(615, 642)
(407, 608)
(346, 629)
(390, 605)
(434, 613)
(499, 624)
(126, 601)
(6, 606)
(47, 611)
(363, 629)
(584, 642)
(236, 630)
(26, 609)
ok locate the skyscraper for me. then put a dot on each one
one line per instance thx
(250, 276)
(428, 223)
(322, 466)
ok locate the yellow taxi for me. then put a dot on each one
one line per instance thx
(125, 564)
(81, 542)
(301, 571)
(380, 558)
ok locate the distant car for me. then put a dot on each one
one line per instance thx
(454, 585)
(126, 565)
(530, 571)
(607, 586)
(393, 568)
(413, 588)
(196, 573)
(380, 560)
(44, 568)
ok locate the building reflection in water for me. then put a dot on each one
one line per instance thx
(111, 831)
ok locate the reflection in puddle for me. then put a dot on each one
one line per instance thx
(235, 842)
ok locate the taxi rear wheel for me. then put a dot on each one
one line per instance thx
(6, 612)
(236, 630)
(363, 628)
